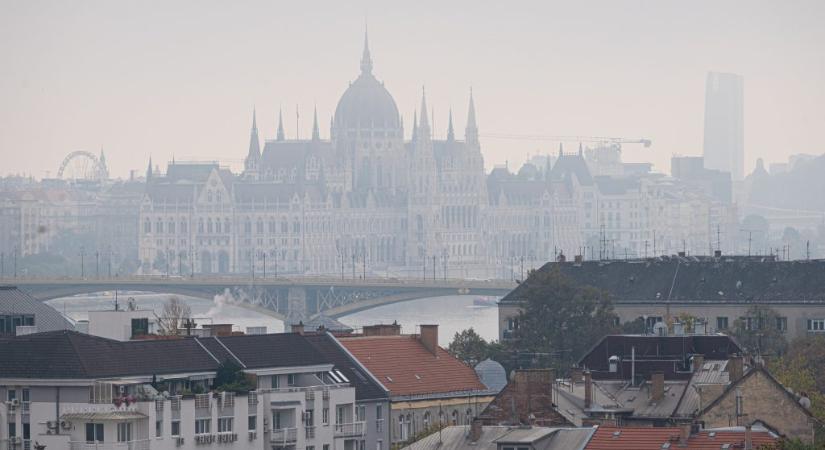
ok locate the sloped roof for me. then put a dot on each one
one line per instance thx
(69, 354)
(652, 438)
(366, 388)
(455, 438)
(567, 165)
(405, 367)
(14, 301)
(729, 279)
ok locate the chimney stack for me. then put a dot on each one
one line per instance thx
(475, 429)
(429, 338)
(657, 386)
(698, 362)
(735, 368)
(298, 327)
(588, 389)
(748, 437)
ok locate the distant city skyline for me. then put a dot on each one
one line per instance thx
(181, 80)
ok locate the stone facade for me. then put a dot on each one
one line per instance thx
(756, 394)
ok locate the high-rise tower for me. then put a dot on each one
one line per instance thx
(724, 147)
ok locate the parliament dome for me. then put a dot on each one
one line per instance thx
(367, 103)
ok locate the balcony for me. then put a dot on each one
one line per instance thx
(141, 444)
(354, 429)
(283, 436)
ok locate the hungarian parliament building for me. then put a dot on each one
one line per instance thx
(394, 202)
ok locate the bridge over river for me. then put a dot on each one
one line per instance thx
(289, 299)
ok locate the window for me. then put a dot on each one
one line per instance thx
(290, 379)
(203, 426)
(12, 429)
(360, 413)
(721, 323)
(816, 324)
(124, 432)
(454, 420)
(252, 423)
(158, 428)
(275, 382)
(11, 395)
(140, 327)
(225, 424)
(378, 445)
(175, 428)
(325, 416)
(427, 420)
(325, 447)
(339, 415)
(94, 432)
(782, 324)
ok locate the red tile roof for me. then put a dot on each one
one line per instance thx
(644, 438)
(405, 367)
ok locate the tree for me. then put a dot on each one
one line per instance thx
(230, 377)
(175, 315)
(759, 333)
(562, 319)
(469, 347)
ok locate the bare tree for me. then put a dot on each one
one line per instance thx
(175, 315)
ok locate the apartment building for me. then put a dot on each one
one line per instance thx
(68, 390)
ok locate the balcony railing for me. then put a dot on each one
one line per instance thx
(141, 444)
(15, 444)
(353, 429)
(310, 432)
(283, 435)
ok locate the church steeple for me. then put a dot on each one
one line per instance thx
(424, 124)
(471, 133)
(450, 132)
(149, 170)
(366, 59)
(415, 126)
(253, 157)
(316, 134)
(280, 135)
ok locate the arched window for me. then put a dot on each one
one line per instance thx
(209, 196)
(273, 227)
(468, 417)
(426, 420)
(183, 226)
(159, 226)
(147, 226)
(218, 196)
(200, 226)
(170, 227)
(209, 226)
(454, 420)
(247, 226)
(217, 225)
(226, 228)
(259, 227)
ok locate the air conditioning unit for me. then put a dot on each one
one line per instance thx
(66, 425)
(179, 441)
(266, 422)
(16, 440)
(253, 435)
(52, 425)
(12, 404)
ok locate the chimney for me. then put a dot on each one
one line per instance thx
(298, 327)
(698, 362)
(748, 437)
(735, 368)
(393, 329)
(657, 386)
(588, 389)
(475, 430)
(578, 259)
(429, 338)
(717, 253)
(684, 434)
(561, 258)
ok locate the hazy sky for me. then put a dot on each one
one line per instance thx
(180, 78)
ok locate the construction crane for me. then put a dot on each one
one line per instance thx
(600, 140)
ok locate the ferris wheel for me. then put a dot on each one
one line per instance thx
(82, 166)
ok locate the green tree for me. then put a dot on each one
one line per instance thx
(562, 319)
(469, 347)
(758, 332)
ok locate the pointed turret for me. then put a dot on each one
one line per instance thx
(450, 132)
(103, 169)
(415, 126)
(471, 133)
(253, 157)
(366, 59)
(547, 169)
(316, 134)
(581, 152)
(149, 170)
(561, 149)
(280, 135)
(424, 123)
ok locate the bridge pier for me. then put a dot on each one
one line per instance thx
(296, 305)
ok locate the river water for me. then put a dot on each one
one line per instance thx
(452, 314)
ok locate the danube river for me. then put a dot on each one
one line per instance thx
(452, 314)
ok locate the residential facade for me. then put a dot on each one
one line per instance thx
(68, 390)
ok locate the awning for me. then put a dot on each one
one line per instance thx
(104, 415)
